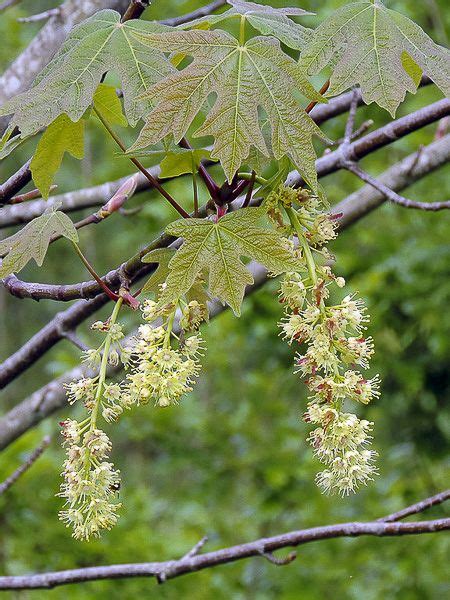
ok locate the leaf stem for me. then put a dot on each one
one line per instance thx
(242, 30)
(194, 186)
(112, 295)
(322, 91)
(104, 365)
(155, 183)
(249, 177)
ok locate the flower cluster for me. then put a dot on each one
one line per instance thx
(333, 343)
(90, 481)
(161, 372)
(161, 367)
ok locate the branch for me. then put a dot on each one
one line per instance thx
(324, 166)
(170, 569)
(349, 162)
(11, 480)
(393, 196)
(15, 183)
(418, 507)
(51, 397)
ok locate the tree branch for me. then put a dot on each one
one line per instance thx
(11, 480)
(51, 397)
(418, 507)
(170, 569)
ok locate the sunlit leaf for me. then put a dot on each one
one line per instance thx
(67, 84)
(217, 247)
(365, 44)
(244, 78)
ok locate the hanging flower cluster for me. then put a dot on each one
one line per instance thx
(161, 367)
(333, 343)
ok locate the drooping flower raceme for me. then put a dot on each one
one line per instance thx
(161, 367)
(333, 345)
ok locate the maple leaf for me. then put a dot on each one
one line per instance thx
(244, 78)
(267, 20)
(67, 84)
(377, 48)
(217, 247)
(32, 241)
(63, 135)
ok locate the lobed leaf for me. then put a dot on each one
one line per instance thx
(67, 84)
(244, 79)
(217, 247)
(379, 49)
(32, 241)
(108, 104)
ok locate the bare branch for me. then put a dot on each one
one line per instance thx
(15, 183)
(51, 397)
(8, 3)
(11, 480)
(163, 571)
(418, 507)
(43, 16)
(393, 196)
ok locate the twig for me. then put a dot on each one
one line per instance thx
(72, 337)
(355, 135)
(154, 182)
(15, 183)
(43, 16)
(135, 9)
(25, 466)
(174, 568)
(8, 3)
(322, 91)
(349, 162)
(393, 196)
(418, 507)
(31, 195)
(51, 397)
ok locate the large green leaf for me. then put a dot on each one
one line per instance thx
(67, 84)
(244, 78)
(267, 20)
(365, 44)
(217, 247)
(32, 241)
(63, 135)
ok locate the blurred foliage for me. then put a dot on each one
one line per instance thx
(232, 462)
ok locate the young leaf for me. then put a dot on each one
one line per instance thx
(107, 103)
(63, 135)
(244, 78)
(183, 160)
(162, 257)
(267, 20)
(32, 241)
(365, 43)
(217, 248)
(67, 84)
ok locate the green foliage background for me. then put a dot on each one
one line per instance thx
(231, 461)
